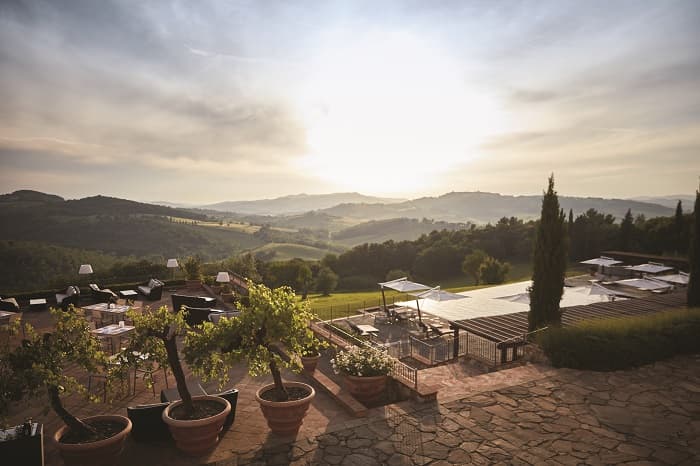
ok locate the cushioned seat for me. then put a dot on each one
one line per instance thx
(71, 296)
(9, 305)
(148, 425)
(197, 315)
(192, 301)
(102, 295)
(232, 397)
(152, 290)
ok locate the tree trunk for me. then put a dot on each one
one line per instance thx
(75, 424)
(176, 367)
(279, 386)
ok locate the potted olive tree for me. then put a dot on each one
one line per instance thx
(195, 421)
(269, 334)
(39, 366)
(193, 273)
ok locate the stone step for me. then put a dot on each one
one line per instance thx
(353, 406)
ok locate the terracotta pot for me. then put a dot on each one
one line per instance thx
(285, 417)
(199, 436)
(366, 389)
(310, 363)
(101, 453)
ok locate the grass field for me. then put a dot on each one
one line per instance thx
(342, 304)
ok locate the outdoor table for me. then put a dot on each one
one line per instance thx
(115, 332)
(368, 329)
(37, 303)
(4, 314)
(114, 311)
(171, 394)
(128, 294)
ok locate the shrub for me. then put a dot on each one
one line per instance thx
(611, 344)
(362, 362)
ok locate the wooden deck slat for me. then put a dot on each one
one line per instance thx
(504, 327)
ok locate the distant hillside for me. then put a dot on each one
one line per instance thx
(116, 226)
(295, 204)
(286, 251)
(478, 207)
(397, 229)
(34, 202)
(687, 201)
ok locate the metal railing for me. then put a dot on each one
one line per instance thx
(399, 370)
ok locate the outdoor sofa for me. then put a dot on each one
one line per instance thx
(152, 290)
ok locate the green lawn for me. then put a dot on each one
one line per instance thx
(343, 304)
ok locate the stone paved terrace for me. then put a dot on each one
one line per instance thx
(531, 414)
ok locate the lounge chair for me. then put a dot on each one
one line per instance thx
(9, 305)
(197, 315)
(102, 295)
(71, 296)
(152, 290)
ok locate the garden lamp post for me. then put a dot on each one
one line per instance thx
(172, 265)
(85, 269)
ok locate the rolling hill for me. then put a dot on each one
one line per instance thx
(397, 229)
(478, 207)
(116, 226)
(295, 204)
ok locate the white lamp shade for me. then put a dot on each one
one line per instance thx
(85, 269)
(223, 277)
(172, 264)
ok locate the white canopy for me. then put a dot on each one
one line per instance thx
(646, 284)
(651, 267)
(680, 278)
(436, 294)
(602, 261)
(403, 285)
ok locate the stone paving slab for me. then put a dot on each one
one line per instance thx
(649, 415)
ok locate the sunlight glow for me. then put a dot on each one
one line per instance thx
(388, 113)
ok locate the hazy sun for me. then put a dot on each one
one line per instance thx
(387, 113)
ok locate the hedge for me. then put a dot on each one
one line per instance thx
(611, 344)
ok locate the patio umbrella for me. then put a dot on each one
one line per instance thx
(435, 294)
(402, 285)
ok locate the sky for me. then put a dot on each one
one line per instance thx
(209, 101)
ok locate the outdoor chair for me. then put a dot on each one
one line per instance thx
(231, 396)
(102, 295)
(9, 305)
(180, 300)
(215, 315)
(152, 290)
(71, 296)
(147, 423)
(197, 315)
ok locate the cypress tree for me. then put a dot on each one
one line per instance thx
(626, 229)
(549, 263)
(694, 281)
(678, 224)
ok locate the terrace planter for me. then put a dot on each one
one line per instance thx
(197, 436)
(18, 448)
(193, 285)
(285, 417)
(103, 452)
(366, 389)
(309, 363)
